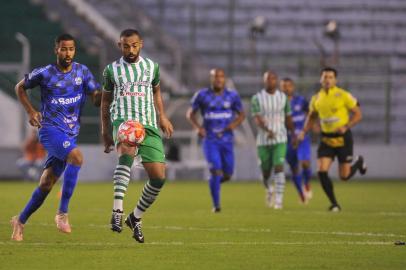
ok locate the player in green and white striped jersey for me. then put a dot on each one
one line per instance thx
(271, 111)
(132, 92)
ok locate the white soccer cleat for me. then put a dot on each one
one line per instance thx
(308, 195)
(278, 206)
(269, 199)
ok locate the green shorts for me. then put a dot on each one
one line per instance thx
(271, 155)
(151, 149)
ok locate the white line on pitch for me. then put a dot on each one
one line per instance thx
(351, 233)
(225, 243)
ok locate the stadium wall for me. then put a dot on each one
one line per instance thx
(384, 162)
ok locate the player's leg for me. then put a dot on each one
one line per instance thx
(47, 180)
(121, 179)
(278, 160)
(265, 159)
(70, 178)
(304, 157)
(153, 159)
(212, 154)
(227, 161)
(292, 159)
(347, 168)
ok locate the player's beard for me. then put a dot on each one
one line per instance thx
(131, 58)
(65, 63)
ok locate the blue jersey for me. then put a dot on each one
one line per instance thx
(218, 111)
(62, 95)
(299, 107)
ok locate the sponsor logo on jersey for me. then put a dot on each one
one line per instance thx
(78, 80)
(220, 115)
(132, 94)
(66, 101)
(66, 144)
(227, 104)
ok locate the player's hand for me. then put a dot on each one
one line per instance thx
(271, 134)
(166, 126)
(295, 141)
(35, 119)
(342, 130)
(108, 143)
(201, 132)
(300, 136)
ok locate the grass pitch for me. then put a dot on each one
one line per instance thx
(182, 233)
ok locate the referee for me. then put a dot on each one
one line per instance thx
(338, 112)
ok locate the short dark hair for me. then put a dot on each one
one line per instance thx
(130, 32)
(63, 37)
(287, 79)
(329, 69)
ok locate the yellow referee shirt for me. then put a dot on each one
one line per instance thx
(332, 107)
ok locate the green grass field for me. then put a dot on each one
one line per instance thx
(182, 233)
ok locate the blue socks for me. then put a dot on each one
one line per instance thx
(37, 198)
(307, 174)
(214, 183)
(297, 180)
(69, 182)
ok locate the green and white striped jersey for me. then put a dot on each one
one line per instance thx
(131, 84)
(273, 108)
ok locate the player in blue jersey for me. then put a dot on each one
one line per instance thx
(64, 87)
(222, 112)
(298, 154)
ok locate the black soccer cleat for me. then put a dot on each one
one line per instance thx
(135, 225)
(117, 221)
(216, 210)
(363, 168)
(334, 208)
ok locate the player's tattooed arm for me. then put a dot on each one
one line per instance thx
(164, 122)
(106, 100)
(34, 116)
(96, 98)
(191, 117)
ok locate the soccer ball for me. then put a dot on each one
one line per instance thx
(131, 133)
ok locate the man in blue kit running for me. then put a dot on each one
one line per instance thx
(299, 154)
(222, 112)
(64, 86)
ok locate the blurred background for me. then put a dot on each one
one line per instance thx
(364, 39)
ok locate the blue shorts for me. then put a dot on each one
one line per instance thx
(58, 145)
(219, 155)
(301, 153)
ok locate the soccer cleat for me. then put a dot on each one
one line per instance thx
(269, 200)
(334, 208)
(363, 169)
(277, 206)
(308, 194)
(117, 221)
(216, 210)
(135, 225)
(62, 223)
(18, 229)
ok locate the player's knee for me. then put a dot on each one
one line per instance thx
(46, 183)
(226, 177)
(217, 172)
(305, 164)
(75, 157)
(344, 176)
(278, 168)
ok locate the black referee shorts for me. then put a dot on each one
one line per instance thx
(335, 144)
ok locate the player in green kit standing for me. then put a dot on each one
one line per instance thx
(270, 109)
(131, 91)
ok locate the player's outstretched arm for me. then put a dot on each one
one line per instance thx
(34, 116)
(191, 117)
(164, 122)
(106, 100)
